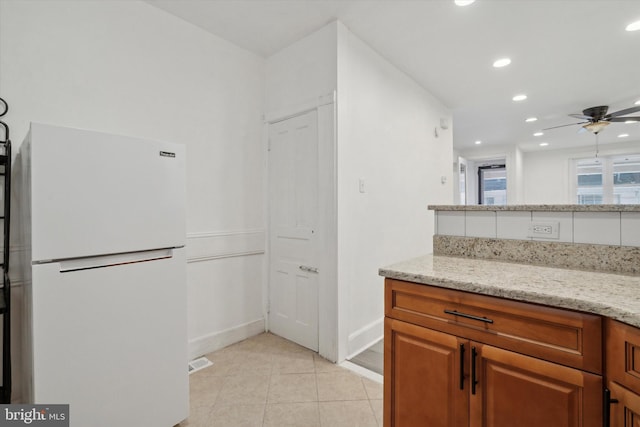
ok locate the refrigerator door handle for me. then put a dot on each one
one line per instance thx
(78, 264)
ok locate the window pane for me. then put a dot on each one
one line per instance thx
(493, 186)
(626, 180)
(589, 174)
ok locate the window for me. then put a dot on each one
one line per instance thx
(492, 185)
(626, 180)
(589, 174)
(614, 179)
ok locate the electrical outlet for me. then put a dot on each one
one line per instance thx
(544, 230)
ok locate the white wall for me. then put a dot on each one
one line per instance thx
(302, 72)
(547, 174)
(129, 68)
(386, 124)
(385, 135)
(301, 77)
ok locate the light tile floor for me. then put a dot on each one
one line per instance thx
(269, 381)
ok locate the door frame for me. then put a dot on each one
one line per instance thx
(328, 325)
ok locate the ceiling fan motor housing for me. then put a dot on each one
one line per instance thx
(596, 113)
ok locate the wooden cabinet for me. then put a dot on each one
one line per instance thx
(425, 389)
(623, 375)
(459, 359)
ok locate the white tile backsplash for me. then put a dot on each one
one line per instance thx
(600, 228)
(450, 223)
(630, 228)
(588, 227)
(513, 225)
(481, 224)
(565, 221)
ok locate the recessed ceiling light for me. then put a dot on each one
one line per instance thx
(538, 134)
(463, 2)
(519, 97)
(531, 119)
(478, 142)
(634, 26)
(502, 63)
(544, 144)
(623, 135)
(637, 102)
(631, 121)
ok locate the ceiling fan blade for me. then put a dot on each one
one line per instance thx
(581, 116)
(623, 112)
(624, 119)
(561, 126)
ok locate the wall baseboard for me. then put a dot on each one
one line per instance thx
(365, 337)
(217, 340)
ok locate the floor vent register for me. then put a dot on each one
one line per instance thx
(199, 363)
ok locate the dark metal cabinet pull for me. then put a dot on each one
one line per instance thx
(468, 316)
(461, 366)
(474, 380)
(606, 408)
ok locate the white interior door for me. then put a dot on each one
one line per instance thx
(293, 241)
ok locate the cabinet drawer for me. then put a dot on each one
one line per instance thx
(622, 351)
(562, 336)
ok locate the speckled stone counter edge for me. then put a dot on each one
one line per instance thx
(539, 208)
(612, 295)
(616, 259)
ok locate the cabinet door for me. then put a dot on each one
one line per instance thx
(623, 354)
(517, 390)
(425, 381)
(626, 411)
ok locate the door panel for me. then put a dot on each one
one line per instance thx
(626, 412)
(111, 337)
(293, 220)
(539, 393)
(425, 372)
(94, 193)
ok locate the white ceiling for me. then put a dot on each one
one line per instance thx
(567, 55)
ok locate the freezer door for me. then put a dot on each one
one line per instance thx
(93, 193)
(112, 341)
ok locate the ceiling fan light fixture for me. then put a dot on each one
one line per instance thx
(596, 127)
(634, 26)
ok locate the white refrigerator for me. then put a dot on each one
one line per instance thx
(102, 222)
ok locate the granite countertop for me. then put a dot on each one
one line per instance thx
(612, 295)
(538, 208)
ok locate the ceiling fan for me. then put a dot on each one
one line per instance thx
(596, 118)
